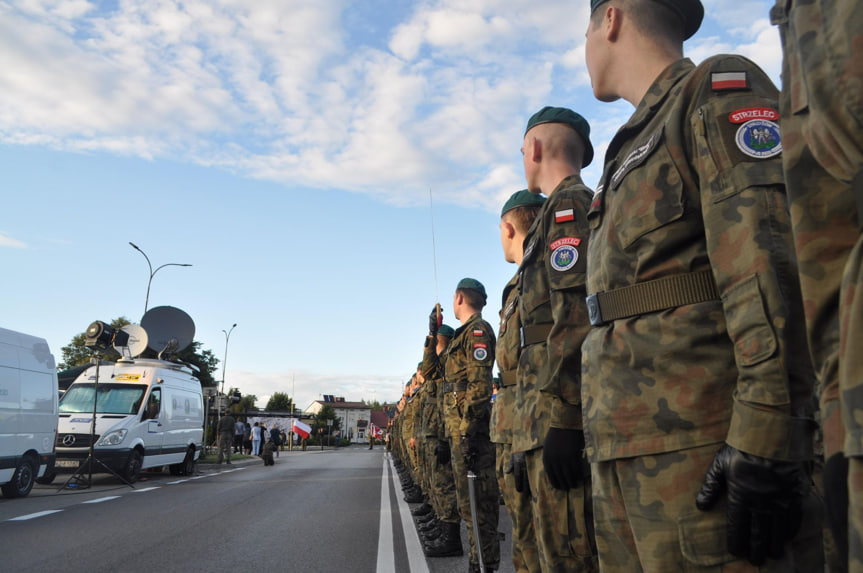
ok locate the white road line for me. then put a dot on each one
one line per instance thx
(146, 489)
(416, 557)
(35, 515)
(101, 499)
(386, 556)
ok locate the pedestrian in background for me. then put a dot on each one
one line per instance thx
(225, 429)
(239, 432)
(257, 434)
(275, 436)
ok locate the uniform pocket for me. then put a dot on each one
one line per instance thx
(753, 338)
(702, 538)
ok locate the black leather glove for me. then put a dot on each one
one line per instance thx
(442, 453)
(563, 458)
(836, 500)
(519, 472)
(764, 501)
(470, 447)
(435, 319)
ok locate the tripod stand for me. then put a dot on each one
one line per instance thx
(82, 481)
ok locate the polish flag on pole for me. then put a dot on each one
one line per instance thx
(302, 429)
(375, 431)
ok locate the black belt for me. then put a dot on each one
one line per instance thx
(457, 387)
(507, 378)
(534, 334)
(651, 296)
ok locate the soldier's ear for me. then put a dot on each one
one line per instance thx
(508, 229)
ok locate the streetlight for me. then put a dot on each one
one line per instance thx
(225, 361)
(152, 272)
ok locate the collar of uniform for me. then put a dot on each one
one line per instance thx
(477, 316)
(659, 91)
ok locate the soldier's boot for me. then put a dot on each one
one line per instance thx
(425, 528)
(426, 518)
(424, 509)
(414, 495)
(474, 568)
(433, 533)
(448, 544)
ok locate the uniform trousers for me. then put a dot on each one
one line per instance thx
(525, 554)
(646, 520)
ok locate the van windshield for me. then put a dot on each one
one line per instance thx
(113, 399)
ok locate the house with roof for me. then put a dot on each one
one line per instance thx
(354, 416)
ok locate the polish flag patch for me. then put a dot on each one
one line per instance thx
(564, 216)
(478, 332)
(723, 81)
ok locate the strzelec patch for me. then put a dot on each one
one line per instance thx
(759, 138)
(563, 256)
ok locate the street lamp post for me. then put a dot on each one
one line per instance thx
(225, 361)
(152, 272)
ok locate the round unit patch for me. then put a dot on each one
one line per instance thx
(564, 257)
(759, 138)
(480, 354)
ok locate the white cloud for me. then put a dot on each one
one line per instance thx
(7, 241)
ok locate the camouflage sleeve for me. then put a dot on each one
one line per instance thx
(479, 348)
(567, 234)
(752, 257)
(431, 366)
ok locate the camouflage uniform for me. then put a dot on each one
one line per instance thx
(525, 556)
(468, 364)
(822, 137)
(554, 322)
(692, 193)
(441, 485)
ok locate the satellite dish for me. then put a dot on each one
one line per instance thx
(168, 328)
(136, 342)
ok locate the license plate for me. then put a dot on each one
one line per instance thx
(67, 463)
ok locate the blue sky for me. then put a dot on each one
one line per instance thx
(287, 150)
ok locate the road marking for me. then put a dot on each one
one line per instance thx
(101, 499)
(416, 557)
(146, 489)
(386, 556)
(35, 515)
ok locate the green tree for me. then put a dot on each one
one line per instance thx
(247, 403)
(76, 354)
(280, 402)
(326, 413)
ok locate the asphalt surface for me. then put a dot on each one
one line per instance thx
(331, 510)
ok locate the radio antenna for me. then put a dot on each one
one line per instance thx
(434, 252)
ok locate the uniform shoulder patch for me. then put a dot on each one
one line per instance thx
(480, 353)
(759, 138)
(564, 253)
(728, 81)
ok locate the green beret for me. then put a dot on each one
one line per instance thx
(550, 114)
(472, 284)
(420, 364)
(691, 12)
(523, 198)
(446, 330)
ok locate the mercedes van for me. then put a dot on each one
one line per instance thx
(149, 413)
(28, 411)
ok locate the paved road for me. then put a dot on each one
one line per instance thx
(312, 511)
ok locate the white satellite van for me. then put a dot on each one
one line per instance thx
(149, 412)
(28, 411)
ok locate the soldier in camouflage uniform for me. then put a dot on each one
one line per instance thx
(442, 492)
(468, 362)
(821, 108)
(517, 215)
(411, 430)
(697, 382)
(549, 460)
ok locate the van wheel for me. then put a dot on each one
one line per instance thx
(22, 480)
(132, 471)
(186, 467)
(48, 478)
